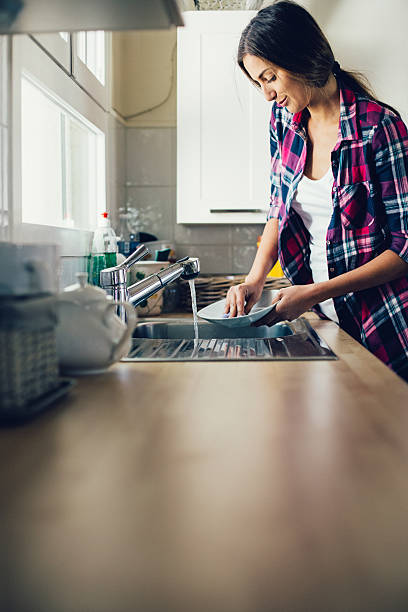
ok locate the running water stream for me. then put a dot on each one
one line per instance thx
(194, 307)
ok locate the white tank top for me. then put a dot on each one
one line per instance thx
(313, 202)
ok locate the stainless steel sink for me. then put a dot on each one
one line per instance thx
(173, 340)
(181, 329)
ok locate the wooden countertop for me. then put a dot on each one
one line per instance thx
(214, 487)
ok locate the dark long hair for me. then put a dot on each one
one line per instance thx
(286, 35)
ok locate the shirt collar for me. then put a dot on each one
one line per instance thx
(348, 127)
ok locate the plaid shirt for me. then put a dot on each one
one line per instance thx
(370, 215)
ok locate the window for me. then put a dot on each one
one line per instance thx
(59, 160)
(62, 162)
(91, 51)
(58, 46)
(4, 161)
(91, 64)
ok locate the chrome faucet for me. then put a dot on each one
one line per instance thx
(114, 280)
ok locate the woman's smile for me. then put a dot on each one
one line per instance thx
(275, 82)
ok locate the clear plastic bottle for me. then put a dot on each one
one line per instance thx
(103, 250)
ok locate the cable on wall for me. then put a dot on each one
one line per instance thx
(165, 99)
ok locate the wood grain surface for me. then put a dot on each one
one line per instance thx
(219, 487)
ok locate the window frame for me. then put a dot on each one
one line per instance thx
(86, 79)
(28, 57)
(57, 47)
(5, 170)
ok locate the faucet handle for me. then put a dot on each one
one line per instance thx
(111, 277)
(138, 254)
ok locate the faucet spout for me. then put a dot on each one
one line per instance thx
(191, 267)
(114, 280)
(186, 268)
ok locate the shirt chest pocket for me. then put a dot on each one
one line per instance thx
(362, 229)
(356, 203)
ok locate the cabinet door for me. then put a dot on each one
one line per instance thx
(223, 160)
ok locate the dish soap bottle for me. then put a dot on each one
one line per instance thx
(103, 250)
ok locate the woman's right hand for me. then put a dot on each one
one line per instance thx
(241, 298)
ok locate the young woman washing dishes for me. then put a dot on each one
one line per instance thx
(338, 219)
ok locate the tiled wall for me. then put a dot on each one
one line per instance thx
(116, 176)
(151, 188)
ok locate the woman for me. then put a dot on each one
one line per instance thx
(338, 218)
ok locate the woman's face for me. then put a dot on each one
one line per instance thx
(277, 84)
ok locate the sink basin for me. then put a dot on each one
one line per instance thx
(173, 340)
(181, 329)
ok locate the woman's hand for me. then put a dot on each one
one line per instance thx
(293, 301)
(241, 298)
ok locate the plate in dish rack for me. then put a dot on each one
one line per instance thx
(215, 313)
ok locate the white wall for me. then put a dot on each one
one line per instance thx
(144, 77)
(369, 36)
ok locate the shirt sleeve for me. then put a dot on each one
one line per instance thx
(276, 198)
(390, 145)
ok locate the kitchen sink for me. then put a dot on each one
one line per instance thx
(180, 329)
(173, 340)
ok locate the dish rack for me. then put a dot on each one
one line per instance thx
(28, 355)
(210, 289)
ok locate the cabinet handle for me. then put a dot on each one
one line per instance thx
(236, 210)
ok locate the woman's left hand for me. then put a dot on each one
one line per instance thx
(293, 302)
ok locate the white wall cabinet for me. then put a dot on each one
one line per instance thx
(223, 160)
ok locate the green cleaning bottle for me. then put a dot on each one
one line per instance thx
(103, 250)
